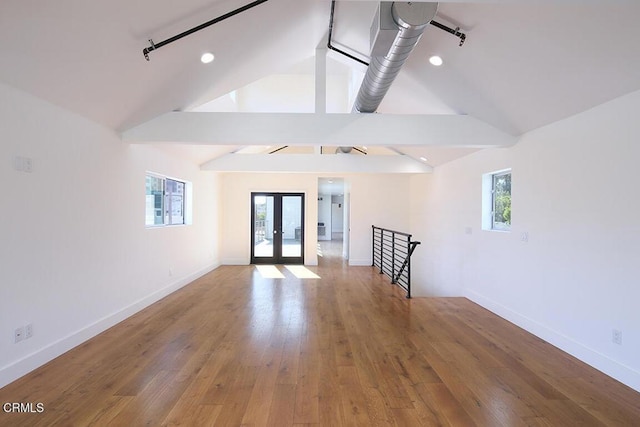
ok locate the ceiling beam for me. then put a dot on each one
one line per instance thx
(318, 129)
(316, 163)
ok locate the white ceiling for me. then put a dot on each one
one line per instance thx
(522, 66)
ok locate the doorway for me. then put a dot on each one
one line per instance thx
(277, 228)
(333, 218)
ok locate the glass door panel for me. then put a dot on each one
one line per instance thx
(263, 215)
(291, 226)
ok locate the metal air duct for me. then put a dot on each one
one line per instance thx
(396, 30)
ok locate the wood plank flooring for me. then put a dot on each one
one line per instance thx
(237, 349)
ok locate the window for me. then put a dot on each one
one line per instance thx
(165, 201)
(496, 201)
(174, 196)
(501, 201)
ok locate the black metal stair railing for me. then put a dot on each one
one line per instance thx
(392, 252)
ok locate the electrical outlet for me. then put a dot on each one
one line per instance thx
(18, 335)
(28, 331)
(616, 336)
(18, 164)
(23, 164)
(27, 164)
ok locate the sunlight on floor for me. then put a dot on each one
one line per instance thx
(301, 272)
(272, 272)
(269, 272)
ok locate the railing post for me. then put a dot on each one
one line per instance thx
(393, 257)
(373, 245)
(381, 249)
(409, 253)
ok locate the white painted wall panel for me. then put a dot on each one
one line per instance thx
(575, 192)
(75, 256)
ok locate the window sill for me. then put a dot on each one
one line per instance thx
(496, 230)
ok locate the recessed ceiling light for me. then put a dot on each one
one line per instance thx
(207, 58)
(424, 159)
(435, 60)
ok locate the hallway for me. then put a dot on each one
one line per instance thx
(330, 251)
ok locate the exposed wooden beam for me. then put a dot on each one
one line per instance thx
(318, 129)
(316, 163)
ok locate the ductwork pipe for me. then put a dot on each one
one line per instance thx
(396, 30)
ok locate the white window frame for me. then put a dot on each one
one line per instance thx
(167, 199)
(489, 200)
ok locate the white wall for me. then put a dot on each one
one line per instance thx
(324, 215)
(380, 200)
(375, 199)
(75, 256)
(337, 214)
(575, 192)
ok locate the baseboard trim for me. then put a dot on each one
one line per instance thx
(360, 262)
(597, 360)
(235, 261)
(38, 358)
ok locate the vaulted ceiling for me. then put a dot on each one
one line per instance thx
(522, 66)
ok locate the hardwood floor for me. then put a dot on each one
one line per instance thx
(237, 348)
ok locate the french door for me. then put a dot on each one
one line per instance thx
(277, 228)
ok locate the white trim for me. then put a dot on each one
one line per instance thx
(21, 367)
(360, 262)
(614, 369)
(235, 261)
